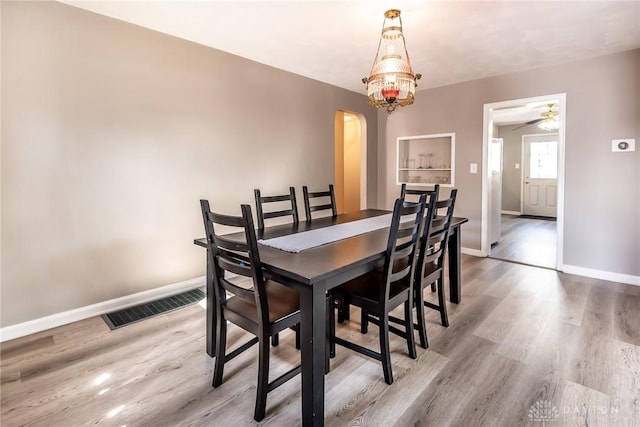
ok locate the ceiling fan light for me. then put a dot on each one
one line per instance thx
(391, 82)
(550, 123)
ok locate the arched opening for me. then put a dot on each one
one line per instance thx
(350, 179)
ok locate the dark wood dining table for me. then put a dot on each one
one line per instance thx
(315, 271)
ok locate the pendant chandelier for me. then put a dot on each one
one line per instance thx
(391, 81)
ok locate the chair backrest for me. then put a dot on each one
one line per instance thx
(404, 192)
(261, 200)
(435, 232)
(404, 236)
(308, 195)
(238, 256)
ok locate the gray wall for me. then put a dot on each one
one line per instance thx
(112, 133)
(602, 189)
(512, 154)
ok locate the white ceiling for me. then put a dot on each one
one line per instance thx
(448, 41)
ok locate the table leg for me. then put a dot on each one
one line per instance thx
(313, 337)
(211, 314)
(455, 289)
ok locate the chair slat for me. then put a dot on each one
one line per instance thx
(319, 206)
(261, 201)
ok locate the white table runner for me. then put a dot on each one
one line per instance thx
(313, 238)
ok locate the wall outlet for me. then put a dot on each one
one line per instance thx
(473, 168)
(623, 145)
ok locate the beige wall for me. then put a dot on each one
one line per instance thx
(602, 196)
(112, 133)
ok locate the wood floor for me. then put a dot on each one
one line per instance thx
(526, 240)
(527, 346)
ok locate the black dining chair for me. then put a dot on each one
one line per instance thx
(262, 200)
(431, 256)
(323, 205)
(404, 192)
(378, 292)
(262, 307)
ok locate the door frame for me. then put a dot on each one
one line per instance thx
(522, 162)
(487, 133)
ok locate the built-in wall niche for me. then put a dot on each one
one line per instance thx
(426, 160)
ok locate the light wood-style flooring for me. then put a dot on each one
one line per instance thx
(527, 346)
(529, 241)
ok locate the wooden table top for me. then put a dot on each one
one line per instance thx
(327, 261)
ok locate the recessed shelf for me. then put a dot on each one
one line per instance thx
(426, 160)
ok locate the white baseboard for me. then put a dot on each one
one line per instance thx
(472, 252)
(579, 271)
(603, 275)
(511, 213)
(42, 324)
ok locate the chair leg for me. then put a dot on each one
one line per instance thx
(340, 307)
(331, 328)
(422, 326)
(384, 348)
(221, 344)
(364, 321)
(433, 287)
(263, 377)
(275, 340)
(442, 302)
(297, 329)
(329, 319)
(408, 321)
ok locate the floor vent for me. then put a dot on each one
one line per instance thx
(140, 312)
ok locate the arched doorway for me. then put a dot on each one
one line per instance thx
(350, 179)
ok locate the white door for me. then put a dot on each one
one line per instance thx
(540, 169)
(495, 168)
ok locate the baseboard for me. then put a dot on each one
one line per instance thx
(603, 275)
(66, 317)
(579, 271)
(511, 213)
(472, 252)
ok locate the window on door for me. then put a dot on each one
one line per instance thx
(544, 160)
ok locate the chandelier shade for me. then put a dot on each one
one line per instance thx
(391, 82)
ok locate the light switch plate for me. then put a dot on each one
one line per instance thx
(623, 145)
(473, 168)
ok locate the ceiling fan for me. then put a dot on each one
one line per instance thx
(549, 117)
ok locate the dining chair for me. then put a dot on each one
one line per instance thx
(322, 206)
(262, 200)
(378, 292)
(430, 265)
(343, 307)
(260, 306)
(404, 191)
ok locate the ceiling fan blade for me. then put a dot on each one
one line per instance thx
(529, 123)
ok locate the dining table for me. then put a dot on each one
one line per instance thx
(315, 271)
